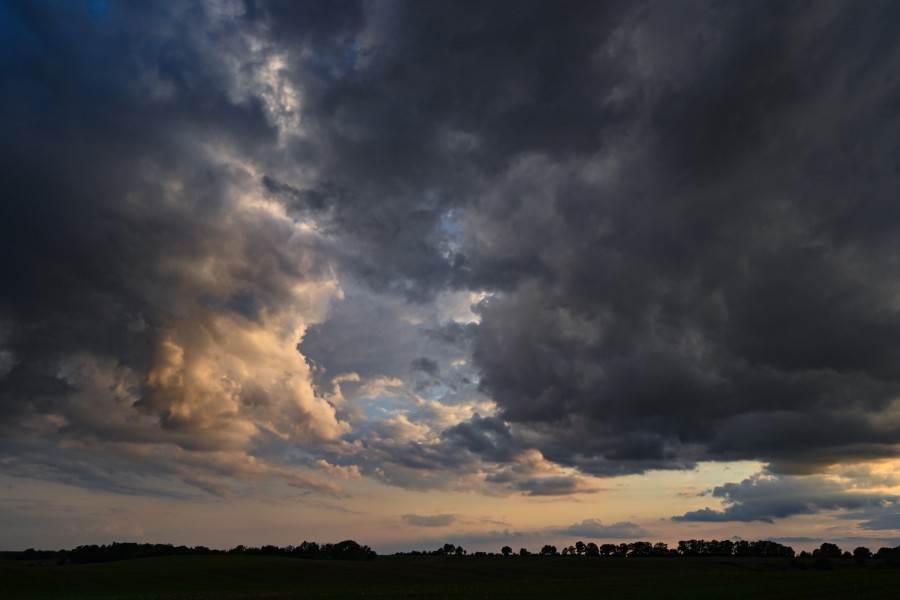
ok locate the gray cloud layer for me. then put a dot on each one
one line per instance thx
(765, 498)
(593, 528)
(429, 520)
(683, 217)
(712, 280)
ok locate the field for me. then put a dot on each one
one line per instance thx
(239, 577)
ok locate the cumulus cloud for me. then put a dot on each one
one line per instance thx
(160, 298)
(656, 299)
(701, 281)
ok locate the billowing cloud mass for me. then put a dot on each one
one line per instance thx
(504, 247)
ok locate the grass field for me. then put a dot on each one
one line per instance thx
(237, 577)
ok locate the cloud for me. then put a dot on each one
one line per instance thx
(376, 335)
(886, 521)
(694, 285)
(593, 528)
(429, 520)
(426, 365)
(766, 498)
(529, 473)
(545, 486)
(343, 472)
(625, 237)
(488, 437)
(174, 294)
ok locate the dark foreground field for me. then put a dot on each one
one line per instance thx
(233, 577)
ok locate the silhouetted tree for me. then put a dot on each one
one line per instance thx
(639, 549)
(729, 548)
(350, 550)
(307, 550)
(506, 550)
(890, 556)
(827, 550)
(861, 554)
(609, 550)
(549, 550)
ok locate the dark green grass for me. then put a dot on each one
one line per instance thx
(237, 577)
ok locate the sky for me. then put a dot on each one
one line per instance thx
(486, 273)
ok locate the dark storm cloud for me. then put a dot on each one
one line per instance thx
(488, 437)
(435, 95)
(454, 333)
(723, 286)
(765, 499)
(426, 365)
(685, 214)
(684, 218)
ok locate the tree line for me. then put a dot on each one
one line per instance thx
(351, 550)
(684, 548)
(633, 549)
(345, 550)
